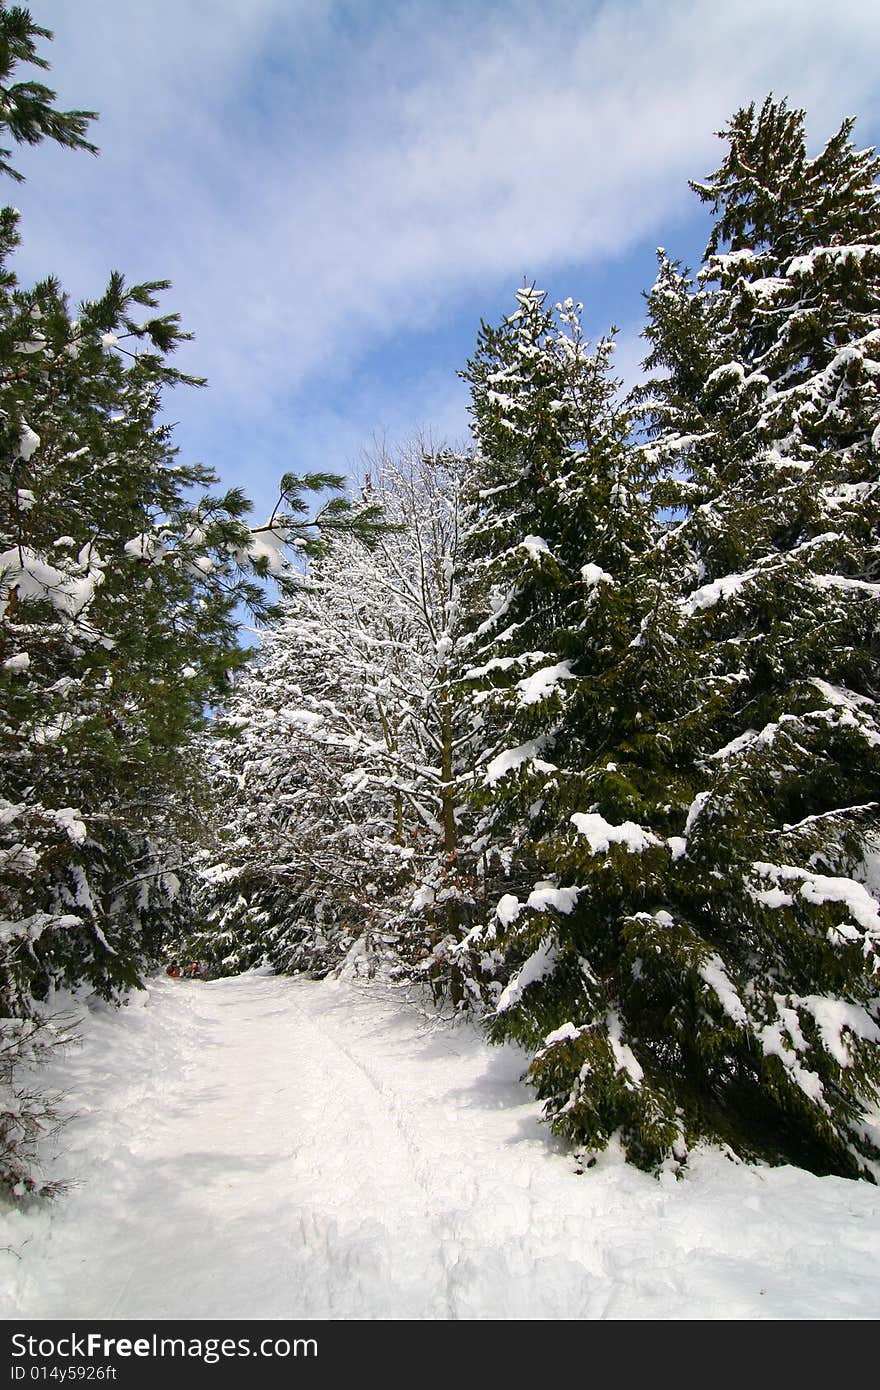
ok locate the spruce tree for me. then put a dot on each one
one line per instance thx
(521, 557)
(765, 427)
(577, 827)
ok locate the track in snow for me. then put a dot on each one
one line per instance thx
(272, 1148)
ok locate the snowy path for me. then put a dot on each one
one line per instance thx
(270, 1148)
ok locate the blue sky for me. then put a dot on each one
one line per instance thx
(340, 189)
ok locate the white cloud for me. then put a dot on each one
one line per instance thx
(318, 178)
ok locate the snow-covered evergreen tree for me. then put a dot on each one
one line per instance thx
(556, 514)
(521, 557)
(766, 425)
(700, 959)
(577, 676)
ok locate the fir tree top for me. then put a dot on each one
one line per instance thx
(768, 193)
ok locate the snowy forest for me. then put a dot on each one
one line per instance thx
(575, 726)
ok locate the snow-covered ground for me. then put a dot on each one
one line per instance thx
(263, 1147)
